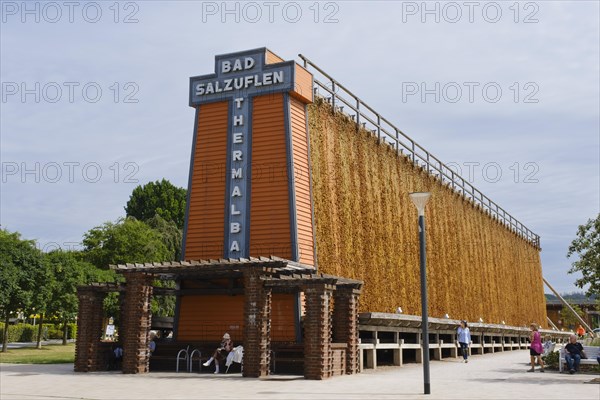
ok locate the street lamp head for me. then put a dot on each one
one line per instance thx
(420, 199)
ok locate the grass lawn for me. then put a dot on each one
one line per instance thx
(51, 354)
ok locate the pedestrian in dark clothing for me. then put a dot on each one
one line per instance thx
(573, 354)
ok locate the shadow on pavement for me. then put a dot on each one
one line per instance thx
(527, 380)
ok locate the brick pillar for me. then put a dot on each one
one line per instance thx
(345, 324)
(136, 322)
(121, 318)
(257, 325)
(317, 331)
(89, 330)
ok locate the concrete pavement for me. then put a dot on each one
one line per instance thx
(491, 376)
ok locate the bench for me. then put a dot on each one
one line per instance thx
(164, 357)
(592, 353)
(287, 357)
(184, 356)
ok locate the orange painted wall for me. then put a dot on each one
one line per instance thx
(272, 58)
(302, 182)
(269, 210)
(283, 323)
(303, 85)
(207, 317)
(205, 229)
(303, 80)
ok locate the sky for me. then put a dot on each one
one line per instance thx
(95, 98)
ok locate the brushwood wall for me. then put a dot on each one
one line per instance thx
(366, 228)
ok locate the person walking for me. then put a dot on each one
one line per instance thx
(464, 339)
(535, 348)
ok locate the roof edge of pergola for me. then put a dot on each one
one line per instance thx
(280, 272)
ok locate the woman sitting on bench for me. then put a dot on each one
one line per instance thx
(221, 352)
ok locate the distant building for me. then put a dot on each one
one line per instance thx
(556, 311)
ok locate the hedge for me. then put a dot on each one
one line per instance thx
(28, 332)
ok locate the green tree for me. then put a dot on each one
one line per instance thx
(131, 241)
(587, 247)
(170, 234)
(22, 271)
(172, 237)
(162, 198)
(125, 241)
(568, 319)
(45, 283)
(70, 272)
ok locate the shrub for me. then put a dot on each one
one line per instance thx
(28, 332)
(20, 333)
(72, 330)
(55, 331)
(551, 360)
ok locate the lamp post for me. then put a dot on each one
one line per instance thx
(420, 199)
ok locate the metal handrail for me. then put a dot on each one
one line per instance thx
(399, 141)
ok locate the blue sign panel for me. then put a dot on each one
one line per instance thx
(243, 73)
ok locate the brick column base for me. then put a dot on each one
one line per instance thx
(89, 331)
(317, 331)
(257, 325)
(345, 324)
(121, 318)
(135, 323)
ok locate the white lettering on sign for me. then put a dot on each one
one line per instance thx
(244, 82)
(237, 157)
(238, 65)
(236, 173)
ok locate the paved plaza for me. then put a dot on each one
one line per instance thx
(491, 376)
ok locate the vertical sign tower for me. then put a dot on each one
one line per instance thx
(249, 184)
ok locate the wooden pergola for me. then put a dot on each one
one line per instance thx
(330, 327)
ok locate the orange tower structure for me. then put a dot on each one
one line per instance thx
(249, 181)
(249, 191)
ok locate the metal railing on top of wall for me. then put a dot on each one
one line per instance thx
(339, 97)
